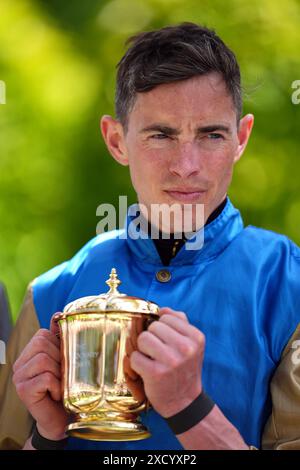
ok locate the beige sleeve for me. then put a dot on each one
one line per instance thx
(15, 421)
(282, 431)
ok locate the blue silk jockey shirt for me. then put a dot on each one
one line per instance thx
(241, 289)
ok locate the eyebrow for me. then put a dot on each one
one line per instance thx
(172, 131)
(160, 128)
(213, 128)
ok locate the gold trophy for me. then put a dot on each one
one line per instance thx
(100, 390)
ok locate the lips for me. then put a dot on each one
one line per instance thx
(184, 195)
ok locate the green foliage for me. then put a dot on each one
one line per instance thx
(58, 60)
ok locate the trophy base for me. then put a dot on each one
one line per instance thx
(108, 430)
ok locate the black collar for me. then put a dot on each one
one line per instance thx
(168, 248)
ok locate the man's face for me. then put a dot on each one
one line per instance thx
(182, 142)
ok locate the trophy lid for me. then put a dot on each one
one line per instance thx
(112, 301)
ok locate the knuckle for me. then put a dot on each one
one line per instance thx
(188, 348)
(48, 379)
(42, 359)
(198, 336)
(201, 340)
(173, 362)
(21, 389)
(158, 372)
(182, 314)
(43, 332)
(38, 343)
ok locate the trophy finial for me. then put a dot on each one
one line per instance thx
(113, 282)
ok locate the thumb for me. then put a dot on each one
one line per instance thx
(54, 326)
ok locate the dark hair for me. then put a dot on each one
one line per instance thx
(170, 54)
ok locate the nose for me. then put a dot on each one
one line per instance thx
(185, 161)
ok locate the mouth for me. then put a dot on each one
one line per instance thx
(191, 195)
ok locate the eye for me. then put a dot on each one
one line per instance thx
(215, 136)
(159, 136)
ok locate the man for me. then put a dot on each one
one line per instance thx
(232, 307)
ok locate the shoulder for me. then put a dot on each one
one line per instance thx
(273, 257)
(268, 242)
(51, 289)
(274, 261)
(99, 244)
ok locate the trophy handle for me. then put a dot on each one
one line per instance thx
(143, 406)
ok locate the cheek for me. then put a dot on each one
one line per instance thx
(147, 161)
(154, 156)
(220, 167)
(145, 169)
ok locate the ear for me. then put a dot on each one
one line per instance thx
(244, 131)
(113, 135)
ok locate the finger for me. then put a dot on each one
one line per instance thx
(176, 313)
(40, 363)
(128, 370)
(153, 347)
(34, 390)
(140, 363)
(136, 388)
(42, 341)
(42, 397)
(182, 327)
(48, 335)
(166, 334)
(54, 326)
(137, 326)
(144, 366)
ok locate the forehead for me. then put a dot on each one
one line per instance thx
(198, 99)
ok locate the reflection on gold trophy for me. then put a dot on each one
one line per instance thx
(100, 390)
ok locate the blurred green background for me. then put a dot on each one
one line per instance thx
(58, 61)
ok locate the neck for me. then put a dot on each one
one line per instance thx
(211, 218)
(167, 248)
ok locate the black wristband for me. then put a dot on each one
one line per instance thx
(192, 415)
(41, 443)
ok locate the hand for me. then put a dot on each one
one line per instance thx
(169, 360)
(37, 378)
(133, 381)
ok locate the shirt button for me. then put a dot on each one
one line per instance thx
(163, 275)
